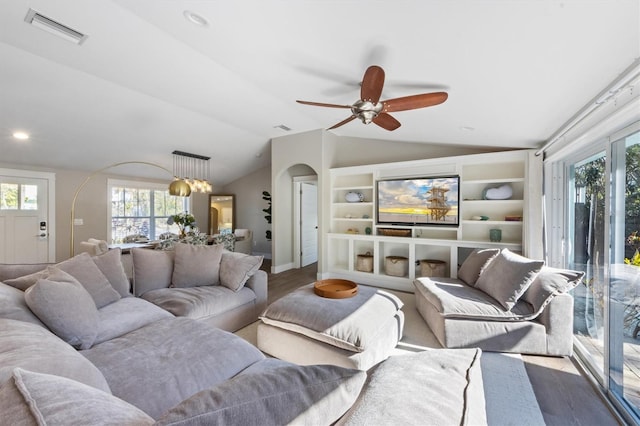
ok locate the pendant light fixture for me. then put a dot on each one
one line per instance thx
(192, 172)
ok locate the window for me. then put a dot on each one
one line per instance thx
(15, 196)
(601, 222)
(142, 209)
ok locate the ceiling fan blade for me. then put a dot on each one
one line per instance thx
(324, 105)
(353, 117)
(415, 101)
(386, 121)
(372, 83)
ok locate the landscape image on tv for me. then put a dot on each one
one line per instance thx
(424, 201)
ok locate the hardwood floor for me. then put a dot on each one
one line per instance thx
(564, 395)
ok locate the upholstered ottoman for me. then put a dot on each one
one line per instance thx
(356, 332)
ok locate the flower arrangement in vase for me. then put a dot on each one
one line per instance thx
(183, 220)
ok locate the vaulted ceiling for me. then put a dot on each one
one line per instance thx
(148, 80)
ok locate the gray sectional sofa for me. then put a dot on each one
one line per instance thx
(501, 302)
(77, 348)
(179, 282)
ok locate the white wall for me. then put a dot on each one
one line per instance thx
(304, 151)
(321, 151)
(249, 205)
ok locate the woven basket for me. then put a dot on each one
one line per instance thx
(393, 232)
(432, 268)
(398, 266)
(365, 262)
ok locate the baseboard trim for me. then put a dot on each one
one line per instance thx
(276, 269)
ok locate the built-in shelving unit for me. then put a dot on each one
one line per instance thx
(353, 229)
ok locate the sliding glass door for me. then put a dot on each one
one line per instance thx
(602, 230)
(624, 271)
(587, 246)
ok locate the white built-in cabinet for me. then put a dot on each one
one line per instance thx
(349, 222)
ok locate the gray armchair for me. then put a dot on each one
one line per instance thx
(533, 318)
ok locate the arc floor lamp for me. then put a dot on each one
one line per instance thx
(178, 187)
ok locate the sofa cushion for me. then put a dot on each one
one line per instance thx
(110, 264)
(152, 269)
(199, 302)
(549, 283)
(65, 307)
(436, 387)
(237, 268)
(26, 281)
(507, 277)
(470, 269)
(287, 394)
(9, 272)
(37, 398)
(196, 265)
(13, 305)
(163, 363)
(35, 348)
(84, 269)
(339, 322)
(126, 315)
(452, 298)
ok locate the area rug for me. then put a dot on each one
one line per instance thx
(507, 386)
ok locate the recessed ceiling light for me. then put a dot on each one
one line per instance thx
(196, 19)
(467, 128)
(23, 136)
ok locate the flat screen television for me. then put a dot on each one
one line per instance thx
(418, 201)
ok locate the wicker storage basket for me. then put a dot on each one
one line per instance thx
(398, 266)
(365, 262)
(393, 232)
(432, 268)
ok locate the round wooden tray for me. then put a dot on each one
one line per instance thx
(335, 288)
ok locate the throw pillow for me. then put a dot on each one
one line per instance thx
(26, 281)
(54, 400)
(110, 264)
(470, 269)
(64, 306)
(84, 269)
(548, 283)
(35, 348)
(196, 265)
(292, 394)
(152, 269)
(237, 268)
(13, 305)
(507, 277)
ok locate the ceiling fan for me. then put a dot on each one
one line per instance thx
(370, 109)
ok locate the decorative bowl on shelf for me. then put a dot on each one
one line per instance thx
(502, 192)
(354, 197)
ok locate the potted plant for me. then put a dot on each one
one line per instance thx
(183, 220)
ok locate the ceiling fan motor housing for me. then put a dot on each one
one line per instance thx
(366, 110)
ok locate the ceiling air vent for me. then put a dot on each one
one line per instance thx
(37, 20)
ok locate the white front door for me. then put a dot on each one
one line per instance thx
(308, 224)
(25, 217)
